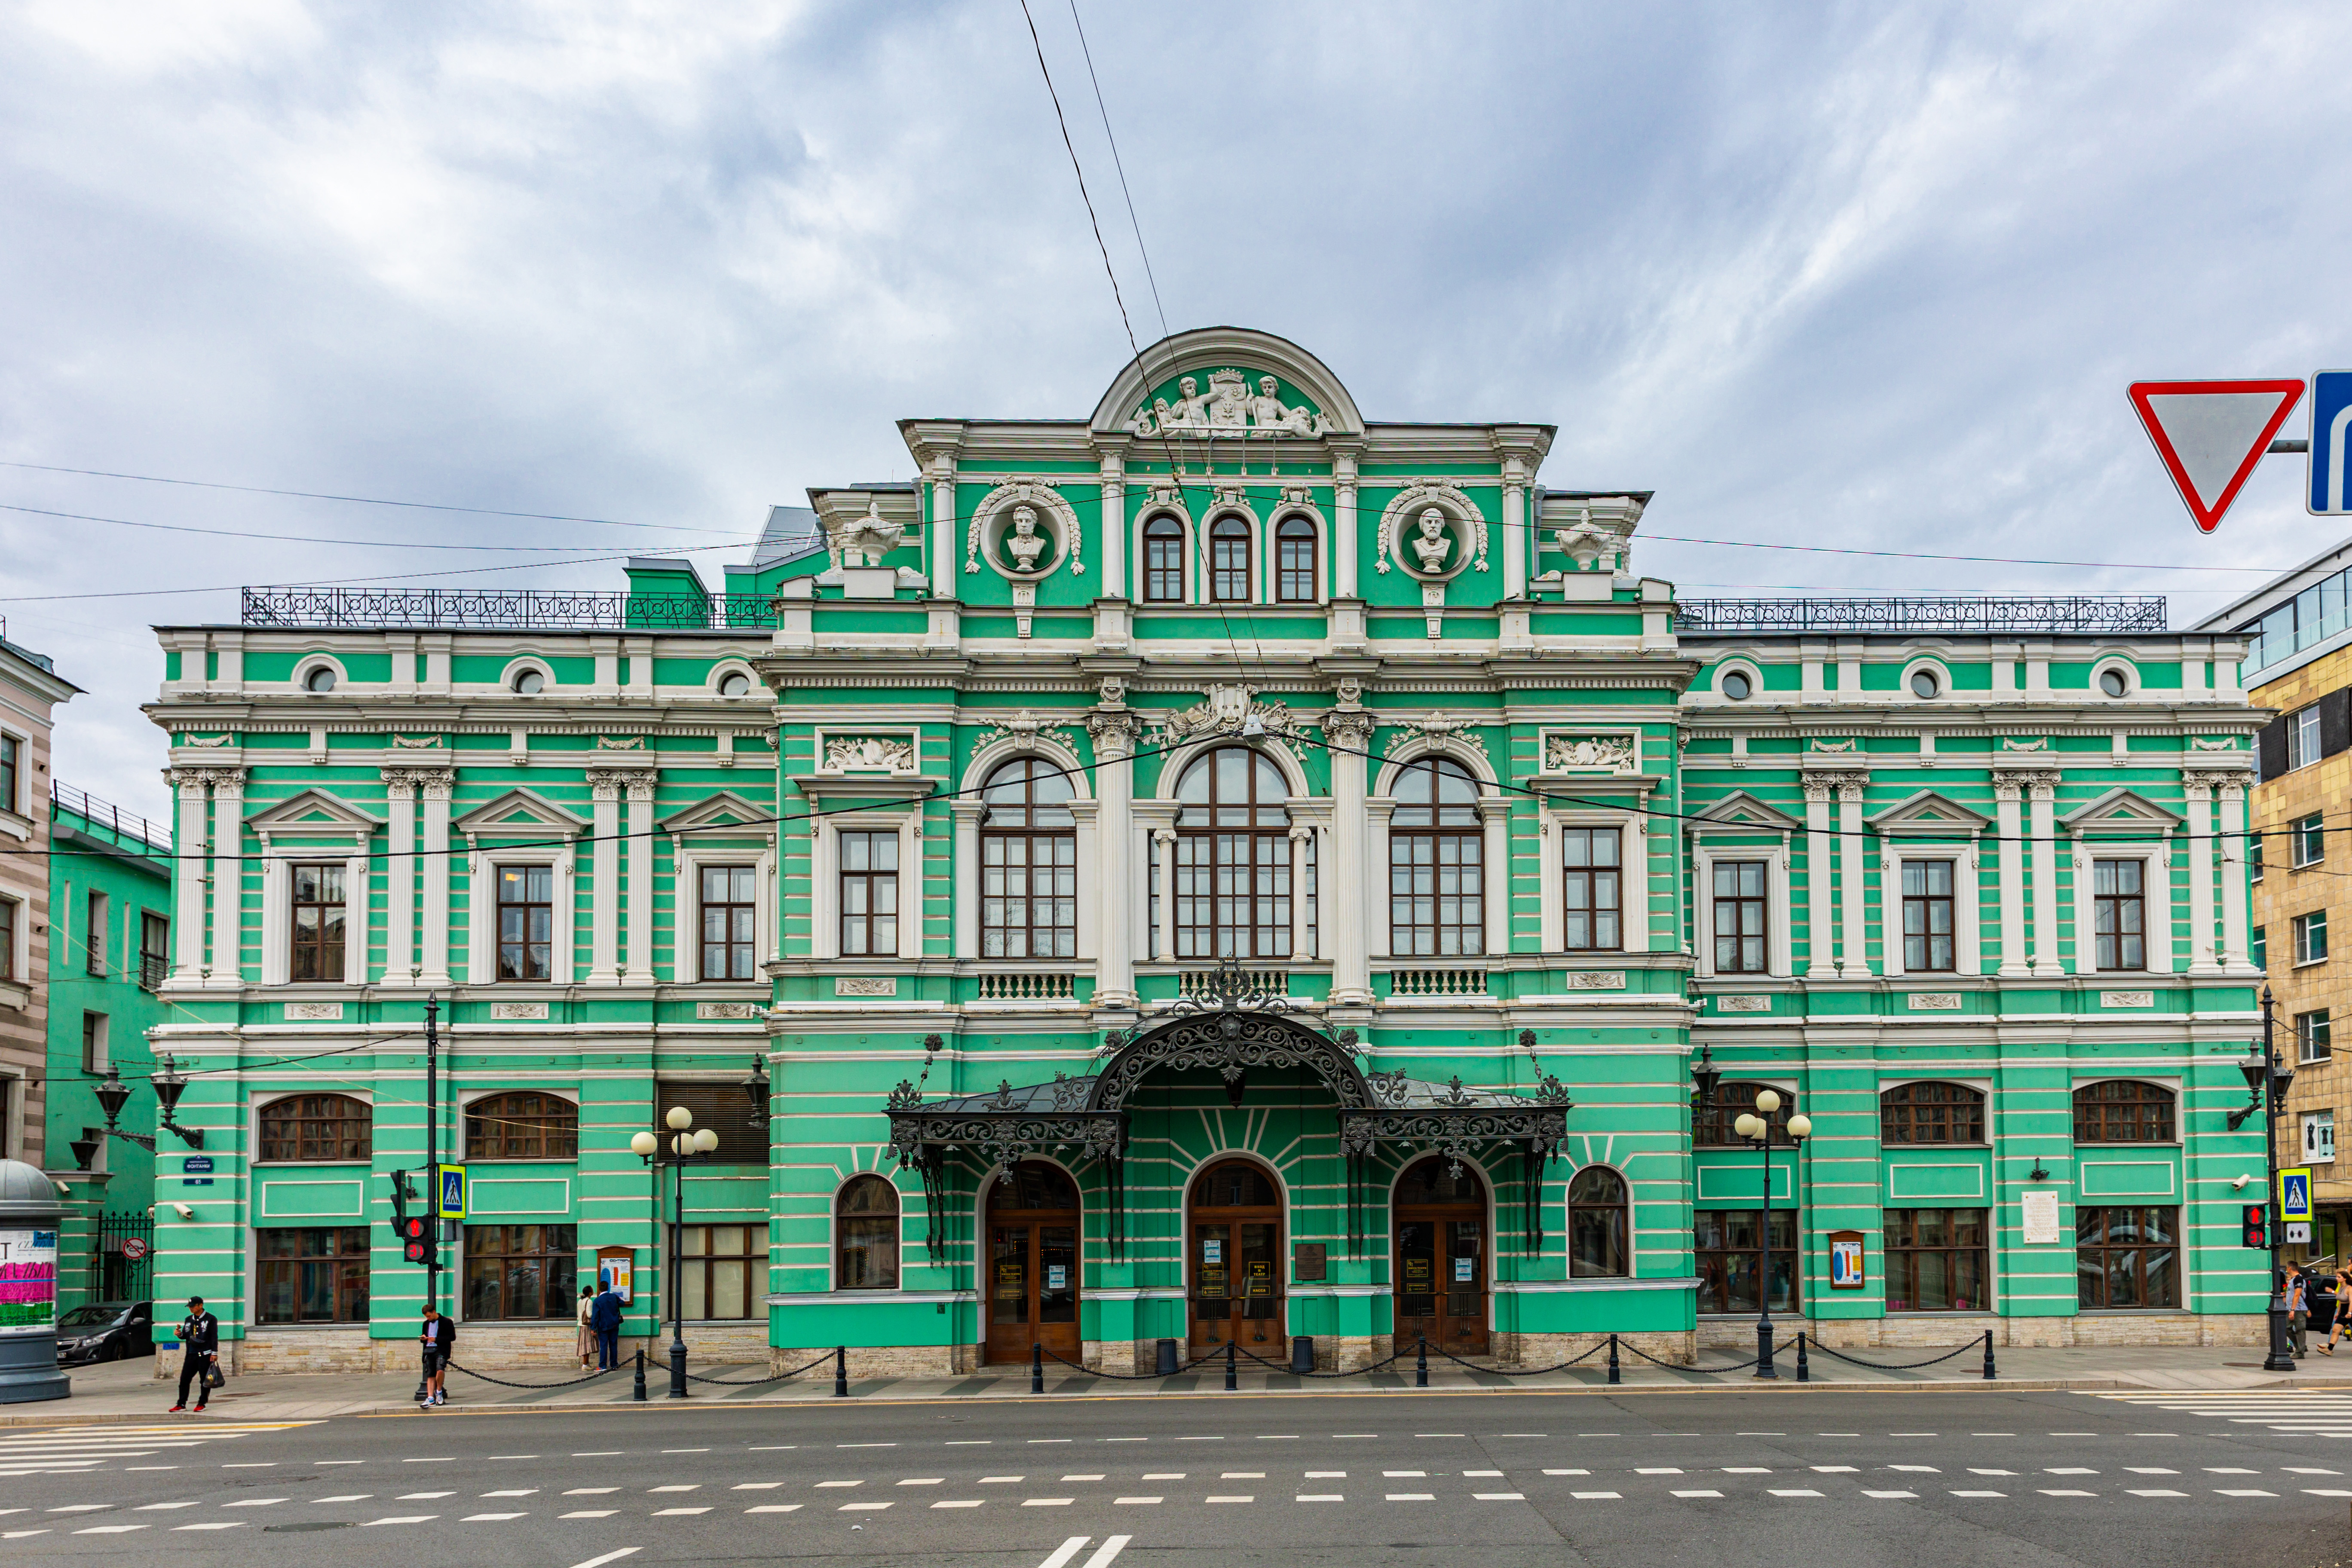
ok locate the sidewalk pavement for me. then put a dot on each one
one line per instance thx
(129, 1392)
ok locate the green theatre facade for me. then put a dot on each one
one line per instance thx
(1219, 870)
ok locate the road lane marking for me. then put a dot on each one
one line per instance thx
(592, 1513)
(478, 1518)
(973, 1502)
(608, 1557)
(2151, 1491)
(1318, 1497)
(667, 1512)
(1042, 1502)
(1063, 1553)
(398, 1518)
(1511, 1497)
(1868, 1492)
(1698, 1494)
(1229, 1499)
(1136, 1499)
(782, 1508)
(1110, 1548)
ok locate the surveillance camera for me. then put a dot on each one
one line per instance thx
(2240, 1182)
(184, 1211)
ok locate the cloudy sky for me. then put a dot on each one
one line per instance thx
(1870, 276)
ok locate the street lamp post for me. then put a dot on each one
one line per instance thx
(1757, 1128)
(685, 1148)
(2268, 1077)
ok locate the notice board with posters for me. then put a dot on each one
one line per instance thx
(616, 1270)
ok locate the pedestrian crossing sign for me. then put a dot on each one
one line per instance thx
(450, 1200)
(2295, 1195)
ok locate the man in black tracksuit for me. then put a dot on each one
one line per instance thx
(199, 1336)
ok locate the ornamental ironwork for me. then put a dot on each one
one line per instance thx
(504, 609)
(1951, 614)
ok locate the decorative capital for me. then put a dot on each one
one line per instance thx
(1349, 730)
(640, 789)
(605, 784)
(1113, 733)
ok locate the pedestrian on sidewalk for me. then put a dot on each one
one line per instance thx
(587, 1346)
(605, 1321)
(199, 1337)
(439, 1340)
(2298, 1308)
(2326, 1305)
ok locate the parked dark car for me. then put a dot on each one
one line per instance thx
(105, 1331)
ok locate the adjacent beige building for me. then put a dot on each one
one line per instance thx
(30, 690)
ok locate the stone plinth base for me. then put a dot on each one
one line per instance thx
(1906, 1331)
(1526, 1352)
(881, 1361)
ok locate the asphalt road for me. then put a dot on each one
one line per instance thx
(1822, 1479)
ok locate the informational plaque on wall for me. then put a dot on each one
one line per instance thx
(2040, 1216)
(1306, 1262)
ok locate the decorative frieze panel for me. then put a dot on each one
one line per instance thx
(1568, 752)
(517, 1012)
(870, 753)
(1934, 1002)
(866, 985)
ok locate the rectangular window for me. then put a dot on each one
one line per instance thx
(155, 949)
(520, 1271)
(1294, 561)
(94, 1042)
(313, 1275)
(2128, 1257)
(2310, 936)
(2319, 1137)
(719, 1266)
(1028, 895)
(1233, 895)
(525, 922)
(1740, 917)
(1729, 1243)
(1229, 560)
(1927, 928)
(2302, 737)
(7, 939)
(1591, 874)
(11, 755)
(1437, 902)
(2307, 840)
(2118, 913)
(869, 895)
(729, 908)
(2258, 947)
(2254, 854)
(93, 935)
(1937, 1260)
(1163, 562)
(2311, 1036)
(318, 926)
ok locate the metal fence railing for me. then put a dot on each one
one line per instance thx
(504, 609)
(2032, 614)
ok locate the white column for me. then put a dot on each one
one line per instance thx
(1852, 872)
(1819, 964)
(226, 922)
(1515, 520)
(2008, 823)
(1163, 844)
(1113, 552)
(641, 881)
(399, 879)
(188, 900)
(966, 812)
(1298, 893)
(2234, 875)
(1114, 737)
(604, 865)
(1495, 875)
(1343, 523)
(2197, 789)
(440, 868)
(2040, 794)
(355, 917)
(1347, 889)
(943, 552)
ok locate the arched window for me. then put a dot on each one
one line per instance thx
(317, 1127)
(1163, 561)
(1232, 857)
(2121, 1110)
(1293, 561)
(1931, 1113)
(1229, 560)
(866, 1235)
(525, 1124)
(1028, 863)
(1437, 874)
(1711, 1123)
(1597, 1224)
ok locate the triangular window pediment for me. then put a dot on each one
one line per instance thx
(1929, 812)
(1741, 809)
(520, 811)
(724, 810)
(2120, 810)
(313, 810)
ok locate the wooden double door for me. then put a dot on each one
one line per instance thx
(1033, 1260)
(1442, 1258)
(1234, 1230)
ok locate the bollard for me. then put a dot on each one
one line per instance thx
(1612, 1361)
(1987, 1355)
(1036, 1368)
(1164, 1358)
(1420, 1365)
(1804, 1368)
(1232, 1366)
(639, 1392)
(841, 1371)
(1302, 1354)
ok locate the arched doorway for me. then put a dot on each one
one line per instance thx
(1442, 1265)
(1033, 1262)
(1234, 1218)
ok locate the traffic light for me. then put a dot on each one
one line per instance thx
(399, 1205)
(416, 1239)
(2254, 1227)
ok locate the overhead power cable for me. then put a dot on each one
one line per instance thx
(736, 544)
(1926, 556)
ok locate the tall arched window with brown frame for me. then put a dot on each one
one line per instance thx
(522, 1125)
(1294, 560)
(303, 1127)
(1931, 1113)
(1163, 561)
(866, 1234)
(1028, 863)
(1437, 873)
(1232, 857)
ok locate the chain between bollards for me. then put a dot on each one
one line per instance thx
(1613, 1360)
(1421, 1363)
(841, 1371)
(639, 1394)
(1989, 1377)
(1036, 1368)
(1232, 1368)
(1804, 1368)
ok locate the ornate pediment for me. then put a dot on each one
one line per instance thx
(1742, 811)
(710, 817)
(313, 811)
(519, 814)
(2121, 810)
(1235, 402)
(1228, 709)
(1568, 752)
(1928, 813)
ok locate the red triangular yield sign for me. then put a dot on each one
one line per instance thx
(2211, 434)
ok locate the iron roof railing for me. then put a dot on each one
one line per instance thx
(128, 828)
(2030, 613)
(504, 609)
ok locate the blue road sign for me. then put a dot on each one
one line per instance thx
(452, 1204)
(2331, 433)
(2295, 1194)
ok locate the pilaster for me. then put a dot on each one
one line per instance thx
(1350, 735)
(1114, 731)
(640, 788)
(604, 787)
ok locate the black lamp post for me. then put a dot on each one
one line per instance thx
(2268, 1076)
(756, 1087)
(1704, 1075)
(1757, 1128)
(169, 1084)
(683, 1149)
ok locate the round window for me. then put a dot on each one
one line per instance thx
(1737, 685)
(1924, 683)
(529, 681)
(734, 683)
(319, 679)
(2113, 682)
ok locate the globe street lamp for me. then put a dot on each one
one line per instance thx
(1757, 1128)
(687, 1146)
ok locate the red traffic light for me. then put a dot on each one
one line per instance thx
(2253, 1218)
(414, 1229)
(412, 1251)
